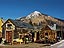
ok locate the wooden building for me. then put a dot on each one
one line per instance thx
(14, 30)
(45, 33)
(48, 34)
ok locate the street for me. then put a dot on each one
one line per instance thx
(30, 45)
(35, 45)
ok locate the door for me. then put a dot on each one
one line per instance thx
(37, 36)
(32, 36)
(9, 36)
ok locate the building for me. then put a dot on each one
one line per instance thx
(49, 33)
(1, 23)
(14, 30)
(46, 33)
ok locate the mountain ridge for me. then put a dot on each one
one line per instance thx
(38, 17)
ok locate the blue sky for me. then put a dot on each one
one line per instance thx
(19, 8)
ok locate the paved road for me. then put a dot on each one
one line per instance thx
(31, 45)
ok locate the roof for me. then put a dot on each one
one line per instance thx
(18, 23)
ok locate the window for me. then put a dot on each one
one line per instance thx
(20, 36)
(9, 26)
(46, 34)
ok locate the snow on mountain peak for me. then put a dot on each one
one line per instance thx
(37, 12)
(34, 14)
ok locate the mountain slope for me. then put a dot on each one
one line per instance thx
(40, 18)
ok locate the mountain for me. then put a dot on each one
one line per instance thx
(38, 18)
(34, 14)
